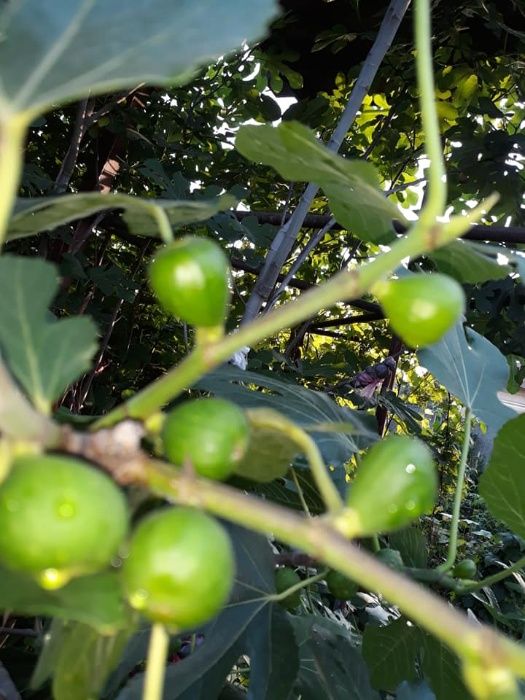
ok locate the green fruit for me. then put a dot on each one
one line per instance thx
(340, 586)
(421, 308)
(190, 280)
(209, 434)
(285, 578)
(395, 483)
(465, 569)
(180, 567)
(59, 518)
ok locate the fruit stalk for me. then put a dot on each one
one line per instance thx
(156, 662)
(316, 537)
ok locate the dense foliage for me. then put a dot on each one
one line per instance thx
(124, 127)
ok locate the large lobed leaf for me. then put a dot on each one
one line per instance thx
(472, 369)
(75, 47)
(44, 354)
(352, 186)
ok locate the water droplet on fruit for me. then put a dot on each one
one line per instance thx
(393, 508)
(51, 579)
(12, 505)
(410, 505)
(410, 468)
(66, 509)
(138, 599)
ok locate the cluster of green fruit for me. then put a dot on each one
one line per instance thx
(61, 518)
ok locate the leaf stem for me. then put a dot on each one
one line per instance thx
(156, 662)
(437, 188)
(316, 537)
(163, 223)
(266, 418)
(454, 525)
(12, 137)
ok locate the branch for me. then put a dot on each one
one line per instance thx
(285, 238)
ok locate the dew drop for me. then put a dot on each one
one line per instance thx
(138, 599)
(410, 468)
(410, 505)
(393, 508)
(51, 579)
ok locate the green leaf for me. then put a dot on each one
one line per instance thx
(76, 47)
(95, 600)
(331, 666)
(412, 545)
(391, 652)
(502, 484)
(472, 369)
(352, 186)
(442, 670)
(32, 216)
(268, 457)
(469, 263)
(44, 354)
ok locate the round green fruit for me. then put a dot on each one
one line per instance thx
(285, 578)
(180, 567)
(340, 586)
(190, 279)
(395, 483)
(422, 308)
(465, 569)
(59, 518)
(210, 434)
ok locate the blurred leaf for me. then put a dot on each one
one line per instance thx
(32, 216)
(413, 691)
(77, 47)
(391, 652)
(469, 263)
(412, 545)
(442, 670)
(352, 186)
(330, 663)
(472, 369)
(95, 600)
(502, 484)
(44, 354)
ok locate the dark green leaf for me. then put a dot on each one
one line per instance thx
(442, 670)
(95, 600)
(412, 546)
(391, 653)
(330, 664)
(352, 186)
(472, 369)
(502, 484)
(44, 354)
(76, 47)
(39, 214)
(469, 262)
